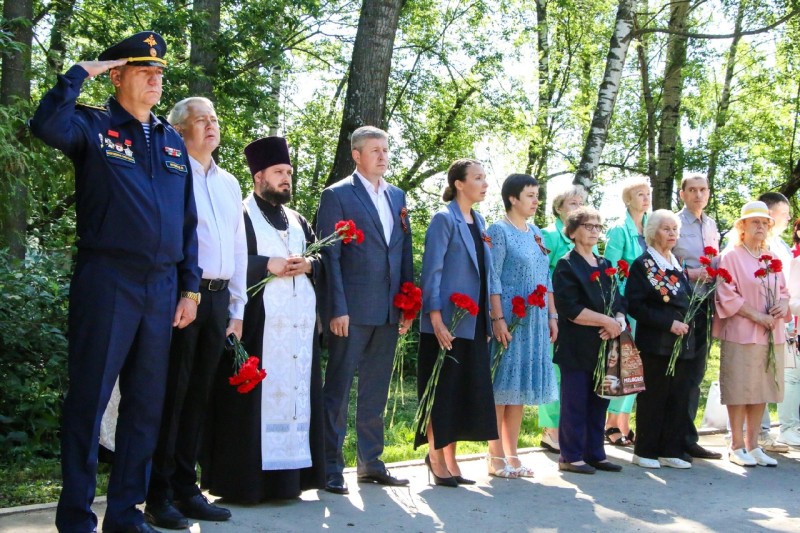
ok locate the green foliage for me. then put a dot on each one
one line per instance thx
(33, 353)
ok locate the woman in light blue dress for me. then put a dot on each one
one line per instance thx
(526, 375)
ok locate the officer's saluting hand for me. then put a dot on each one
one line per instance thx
(136, 273)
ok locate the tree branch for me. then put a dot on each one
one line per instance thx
(693, 35)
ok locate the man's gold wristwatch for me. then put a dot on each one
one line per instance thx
(192, 296)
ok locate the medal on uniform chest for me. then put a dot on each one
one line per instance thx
(660, 281)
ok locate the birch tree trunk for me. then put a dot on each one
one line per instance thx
(368, 80)
(606, 96)
(714, 142)
(203, 55)
(15, 87)
(538, 148)
(647, 97)
(669, 134)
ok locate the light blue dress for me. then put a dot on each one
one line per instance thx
(526, 375)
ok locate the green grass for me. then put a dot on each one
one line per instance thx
(39, 480)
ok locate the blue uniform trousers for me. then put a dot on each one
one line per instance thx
(118, 326)
(583, 416)
(370, 349)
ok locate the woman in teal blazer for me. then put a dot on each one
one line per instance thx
(626, 241)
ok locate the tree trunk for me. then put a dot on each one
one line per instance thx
(606, 96)
(368, 79)
(539, 146)
(669, 135)
(647, 99)
(714, 144)
(58, 46)
(15, 86)
(203, 55)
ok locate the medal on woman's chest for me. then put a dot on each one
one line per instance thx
(663, 283)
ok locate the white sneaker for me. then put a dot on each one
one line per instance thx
(761, 458)
(741, 457)
(768, 443)
(644, 462)
(790, 437)
(674, 462)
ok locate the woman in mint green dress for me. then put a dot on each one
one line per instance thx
(626, 241)
(558, 244)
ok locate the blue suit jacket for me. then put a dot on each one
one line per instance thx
(362, 279)
(450, 264)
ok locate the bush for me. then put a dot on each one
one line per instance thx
(33, 353)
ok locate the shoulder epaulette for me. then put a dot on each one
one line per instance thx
(90, 106)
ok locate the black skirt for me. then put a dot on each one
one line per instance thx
(463, 406)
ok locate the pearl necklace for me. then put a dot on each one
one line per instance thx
(526, 230)
(751, 253)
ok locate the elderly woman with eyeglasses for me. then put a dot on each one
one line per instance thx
(580, 290)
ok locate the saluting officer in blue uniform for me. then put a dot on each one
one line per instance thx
(136, 272)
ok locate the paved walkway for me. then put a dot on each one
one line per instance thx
(712, 496)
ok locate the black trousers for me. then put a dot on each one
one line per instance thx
(696, 371)
(661, 409)
(195, 353)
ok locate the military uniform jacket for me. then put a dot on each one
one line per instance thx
(134, 203)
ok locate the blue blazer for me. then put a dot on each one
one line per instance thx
(361, 279)
(450, 264)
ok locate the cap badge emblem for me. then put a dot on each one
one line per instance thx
(150, 40)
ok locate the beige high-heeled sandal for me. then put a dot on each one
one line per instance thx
(521, 470)
(507, 471)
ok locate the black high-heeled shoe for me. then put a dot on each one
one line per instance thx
(440, 481)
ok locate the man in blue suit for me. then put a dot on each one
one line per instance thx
(136, 273)
(360, 284)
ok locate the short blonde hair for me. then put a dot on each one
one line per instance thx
(737, 234)
(559, 200)
(654, 220)
(630, 185)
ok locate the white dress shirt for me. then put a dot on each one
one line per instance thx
(381, 201)
(221, 240)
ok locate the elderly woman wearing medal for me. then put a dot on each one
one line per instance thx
(658, 294)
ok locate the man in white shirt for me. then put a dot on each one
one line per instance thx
(173, 495)
(779, 210)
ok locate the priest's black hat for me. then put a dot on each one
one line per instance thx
(266, 152)
(144, 49)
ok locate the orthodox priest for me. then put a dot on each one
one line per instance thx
(268, 443)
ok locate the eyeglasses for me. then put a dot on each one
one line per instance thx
(593, 227)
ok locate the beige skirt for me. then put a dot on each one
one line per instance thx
(743, 374)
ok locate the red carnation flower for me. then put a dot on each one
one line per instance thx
(541, 289)
(595, 276)
(766, 258)
(724, 274)
(760, 273)
(711, 272)
(359, 236)
(776, 265)
(610, 271)
(705, 261)
(710, 251)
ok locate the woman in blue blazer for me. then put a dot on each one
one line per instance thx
(456, 260)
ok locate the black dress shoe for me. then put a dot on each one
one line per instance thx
(199, 508)
(335, 484)
(163, 514)
(464, 481)
(578, 469)
(144, 527)
(382, 478)
(695, 450)
(605, 465)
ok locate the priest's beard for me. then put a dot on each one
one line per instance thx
(274, 196)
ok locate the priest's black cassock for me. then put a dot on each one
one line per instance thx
(232, 459)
